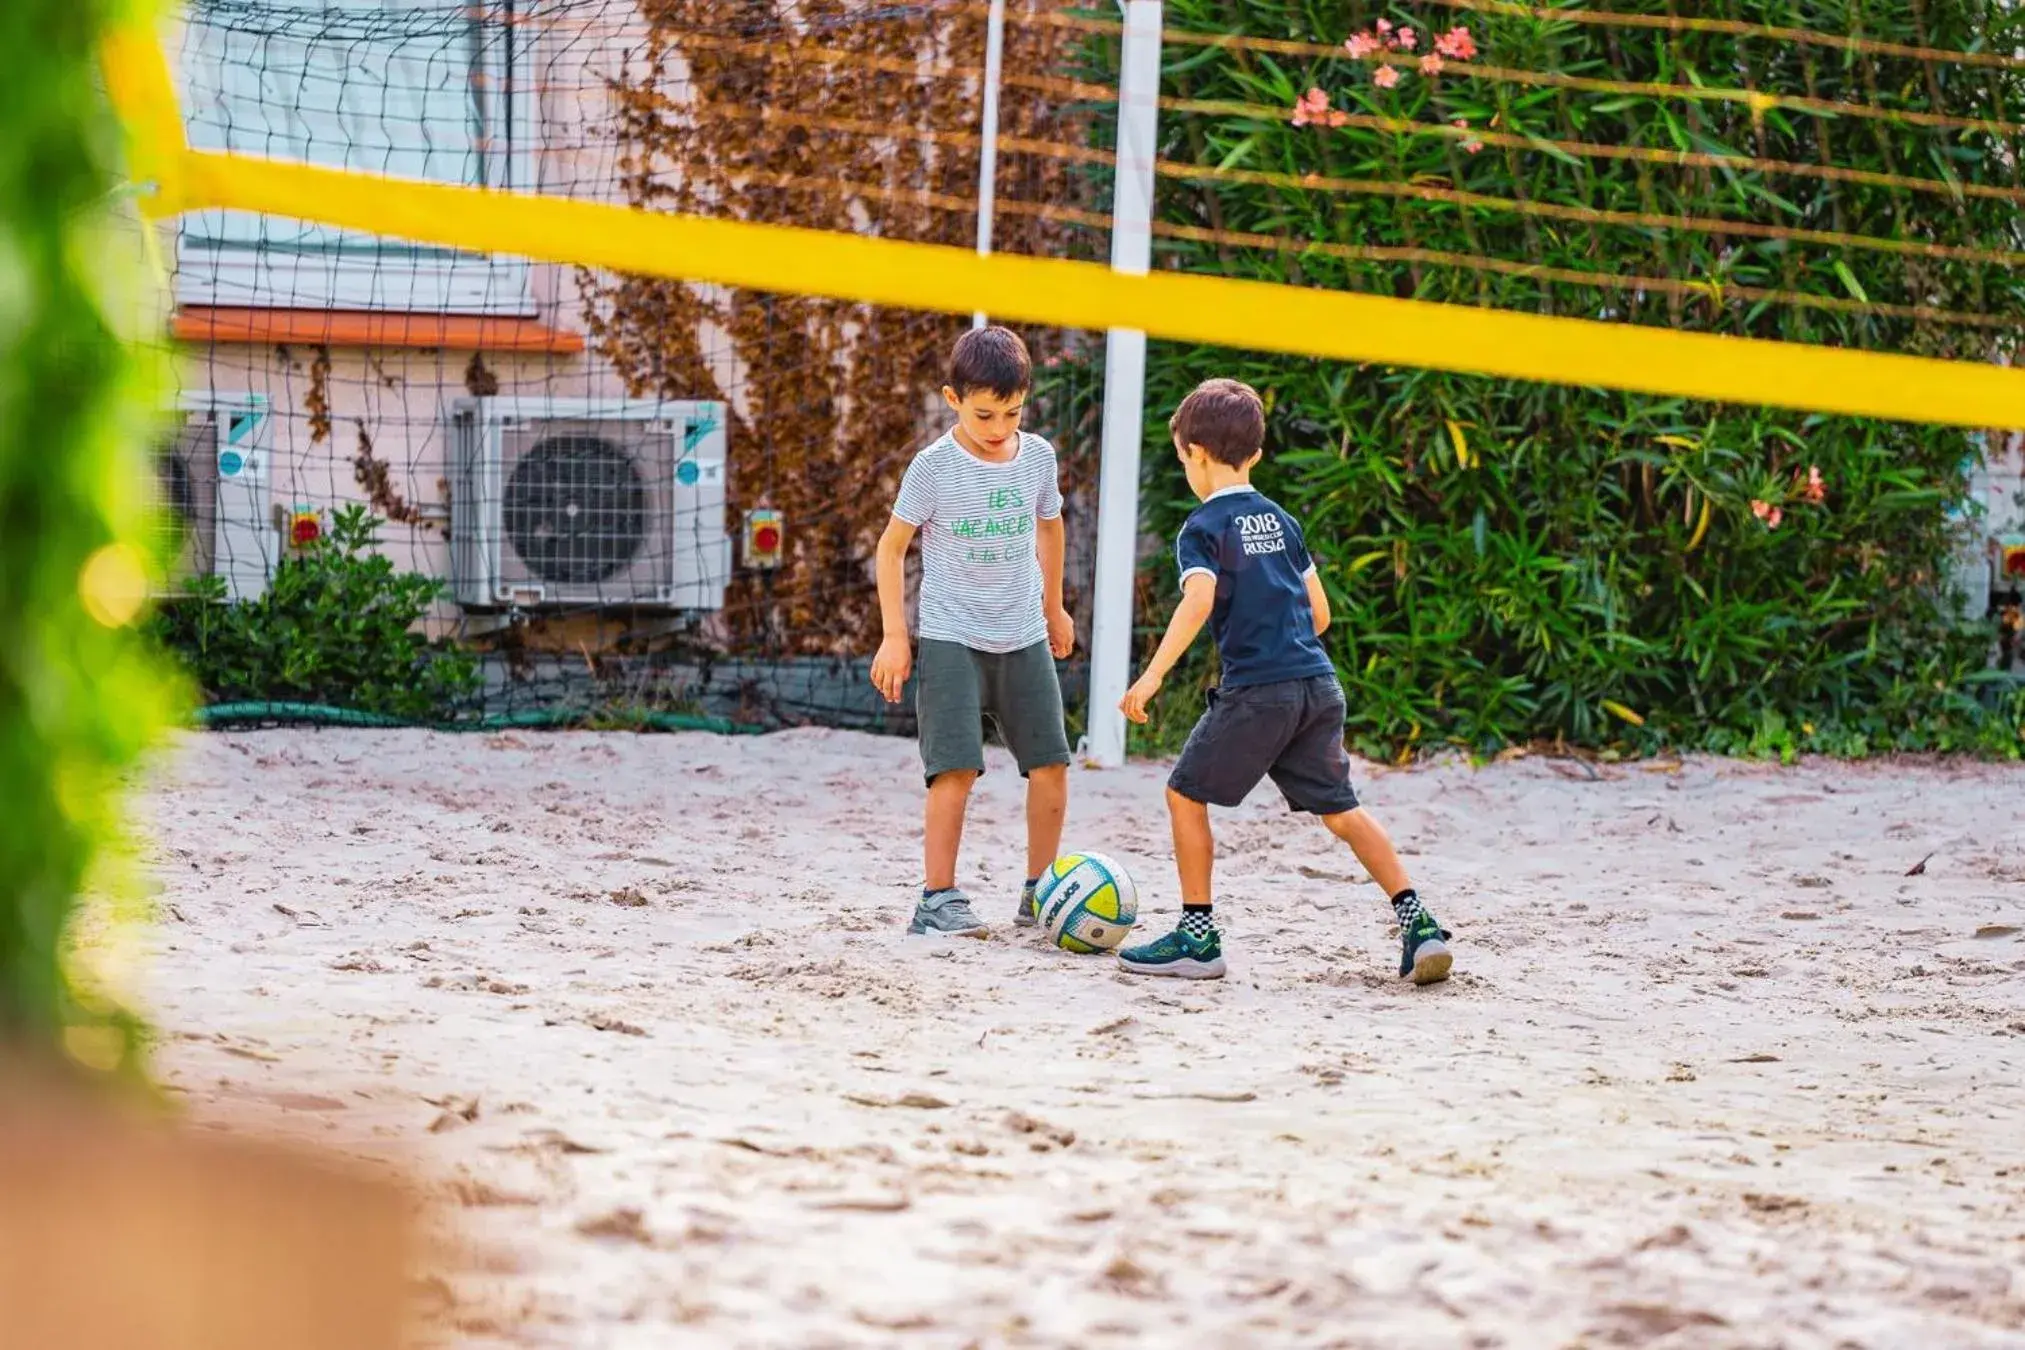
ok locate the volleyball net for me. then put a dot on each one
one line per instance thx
(625, 315)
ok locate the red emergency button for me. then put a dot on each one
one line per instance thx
(765, 535)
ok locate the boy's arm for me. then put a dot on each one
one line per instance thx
(1318, 601)
(895, 660)
(1198, 599)
(1051, 542)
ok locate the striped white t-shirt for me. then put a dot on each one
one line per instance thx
(980, 574)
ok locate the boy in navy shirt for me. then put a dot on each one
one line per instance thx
(1279, 710)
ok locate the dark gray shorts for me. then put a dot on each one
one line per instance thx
(1291, 731)
(957, 688)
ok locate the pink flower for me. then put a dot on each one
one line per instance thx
(1457, 45)
(1311, 108)
(1385, 77)
(1362, 45)
(1430, 64)
(1406, 39)
(1384, 27)
(1816, 489)
(1768, 513)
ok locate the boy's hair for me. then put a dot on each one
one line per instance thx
(1225, 417)
(990, 358)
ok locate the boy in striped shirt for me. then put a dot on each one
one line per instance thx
(985, 500)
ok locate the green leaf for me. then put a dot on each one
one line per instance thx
(1553, 151)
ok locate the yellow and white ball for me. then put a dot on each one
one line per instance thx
(1087, 902)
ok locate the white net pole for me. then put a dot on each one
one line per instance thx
(987, 160)
(1124, 389)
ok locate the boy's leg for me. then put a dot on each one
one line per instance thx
(1368, 840)
(948, 795)
(1194, 950)
(1423, 943)
(1226, 755)
(1023, 693)
(1194, 849)
(1314, 775)
(1047, 804)
(947, 700)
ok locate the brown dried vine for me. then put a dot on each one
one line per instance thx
(376, 476)
(829, 399)
(316, 400)
(480, 380)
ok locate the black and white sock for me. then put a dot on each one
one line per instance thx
(1407, 906)
(1196, 922)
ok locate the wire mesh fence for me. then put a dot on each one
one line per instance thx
(656, 495)
(639, 494)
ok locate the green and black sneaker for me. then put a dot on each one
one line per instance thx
(1423, 949)
(1180, 954)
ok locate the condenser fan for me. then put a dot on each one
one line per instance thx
(576, 510)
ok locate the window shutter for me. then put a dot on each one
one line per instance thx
(411, 88)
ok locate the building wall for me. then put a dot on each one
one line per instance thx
(357, 424)
(335, 409)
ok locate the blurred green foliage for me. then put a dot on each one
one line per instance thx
(80, 697)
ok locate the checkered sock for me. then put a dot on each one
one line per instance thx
(1407, 906)
(1195, 921)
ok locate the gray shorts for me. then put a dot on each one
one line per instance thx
(1290, 731)
(957, 688)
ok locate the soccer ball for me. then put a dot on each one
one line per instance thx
(1087, 902)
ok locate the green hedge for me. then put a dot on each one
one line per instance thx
(79, 698)
(1513, 563)
(337, 625)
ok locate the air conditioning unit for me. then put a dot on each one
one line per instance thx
(210, 482)
(1990, 562)
(557, 501)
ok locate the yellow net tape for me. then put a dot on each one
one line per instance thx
(138, 82)
(1176, 306)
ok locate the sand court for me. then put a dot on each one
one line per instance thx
(1713, 1071)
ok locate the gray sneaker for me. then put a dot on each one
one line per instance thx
(948, 913)
(1028, 915)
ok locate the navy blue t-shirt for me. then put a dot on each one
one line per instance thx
(1263, 623)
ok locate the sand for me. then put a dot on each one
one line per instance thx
(1714, 1069)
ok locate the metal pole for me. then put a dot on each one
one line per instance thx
(987, 160)
(1124, 389)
